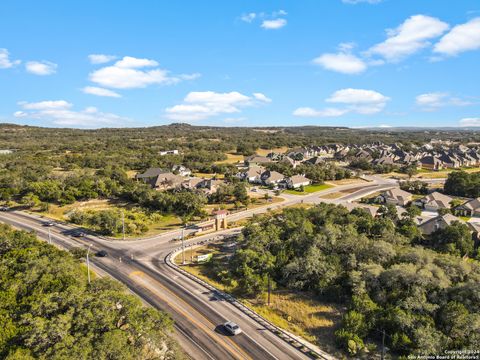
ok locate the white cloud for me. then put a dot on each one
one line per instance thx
(357, 101)
(60, 112)
(470, 121)
(94, 90)
(274, 24)
(262, 97)
(45, 105)
(100, 58)
(128, 73)
(328, 112)
(342, 62)
(5, 61)
(200, 105)
(190, 76)
(354, 2)
(461, 38)
(411, 36)
(433, 101)
(41, 67)
(248, 17)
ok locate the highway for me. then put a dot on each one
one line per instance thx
(196, 311)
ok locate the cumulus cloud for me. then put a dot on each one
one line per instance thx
(435, 100)
(274, 24)
(60, 112)
(411, 36)
(342, 62)
(94, 90)
(100, 58)
(359, 101)
(200, 105)
(461, 38)
(131, 72)
(472, 121)
(262, 97)
(269, 21)
(41, 68)
(5, 61)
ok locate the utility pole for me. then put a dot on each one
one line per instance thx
(383, 344)
(183, 245)
(88, 262)
(123, 224)
(49, 237)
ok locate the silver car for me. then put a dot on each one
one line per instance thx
(232, 328)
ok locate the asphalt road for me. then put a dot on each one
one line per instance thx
(198, 313)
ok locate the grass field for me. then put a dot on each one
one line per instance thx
(231, 159)
(309, 189)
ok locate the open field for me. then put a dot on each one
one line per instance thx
(209, 176)
(265, 152)
(231, 159)
(346, 181)
(299, 313)
(309, 189)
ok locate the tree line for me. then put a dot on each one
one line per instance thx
(49, 311)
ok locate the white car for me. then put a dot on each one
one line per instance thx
(232, 328)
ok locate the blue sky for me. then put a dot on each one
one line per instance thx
(240, 63)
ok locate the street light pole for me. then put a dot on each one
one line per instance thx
(49, 237)
(123, 224)
(183, 245)
(88, 262)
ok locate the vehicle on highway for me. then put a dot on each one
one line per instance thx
(4, 208)
(254, 190)
(101, 253)
(232, 328)
(48, 223)
(78, 234)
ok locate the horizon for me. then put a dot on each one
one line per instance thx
(374, 64)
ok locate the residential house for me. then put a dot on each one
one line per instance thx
(372, 210)
(296, 181)
(256, 160)
(150, 174)
(470, 208)
(395, 196)
(166, 181)
(253, 174)
(438, 222)
(431, 162)
(272, 177)
(434, 201)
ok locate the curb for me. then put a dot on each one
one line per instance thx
(302, 346)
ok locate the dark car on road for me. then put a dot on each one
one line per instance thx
(4, 208)
(101, 253)
(48, 223)
(78, 234)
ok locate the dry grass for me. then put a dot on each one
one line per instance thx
(346, 181)
(209, 176)
(231, 159)
(265, 152)
(302, 315)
